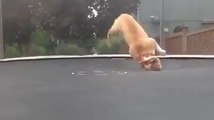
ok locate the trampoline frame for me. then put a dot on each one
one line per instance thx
(112, 56)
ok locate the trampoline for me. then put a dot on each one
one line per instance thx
(106, 87)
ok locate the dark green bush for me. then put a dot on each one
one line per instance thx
(37, 50)
(41, 37)
(103, 47)
(113, 46)
(68, 49)
(42, 41)
(12, 51)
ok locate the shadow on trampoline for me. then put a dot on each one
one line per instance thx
(106, 89)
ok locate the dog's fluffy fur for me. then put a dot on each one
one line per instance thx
(141, 46)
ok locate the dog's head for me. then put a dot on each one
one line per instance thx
(151, 63)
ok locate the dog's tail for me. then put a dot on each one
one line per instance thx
(159, 49)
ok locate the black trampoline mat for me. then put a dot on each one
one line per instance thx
(106, 89)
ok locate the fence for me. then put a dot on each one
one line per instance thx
(201, 42)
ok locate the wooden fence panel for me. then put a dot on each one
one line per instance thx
(201, 42)
(173, 44)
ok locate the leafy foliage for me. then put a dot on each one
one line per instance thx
(12, 51)
(45, 22)
(113, 46)
(37, 50)
(43, 38)
(69, 49)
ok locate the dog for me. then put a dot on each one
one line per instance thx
(142, 48)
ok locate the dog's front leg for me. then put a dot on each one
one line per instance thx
(133, 54)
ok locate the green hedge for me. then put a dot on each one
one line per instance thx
(37, 50)
(113, 46)
(12, 51)
(40, 45)
(69, 49)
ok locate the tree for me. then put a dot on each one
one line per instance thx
(79, 21)
(108, 10)
(16, 27)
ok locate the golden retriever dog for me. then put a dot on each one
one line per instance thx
(142, 48)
